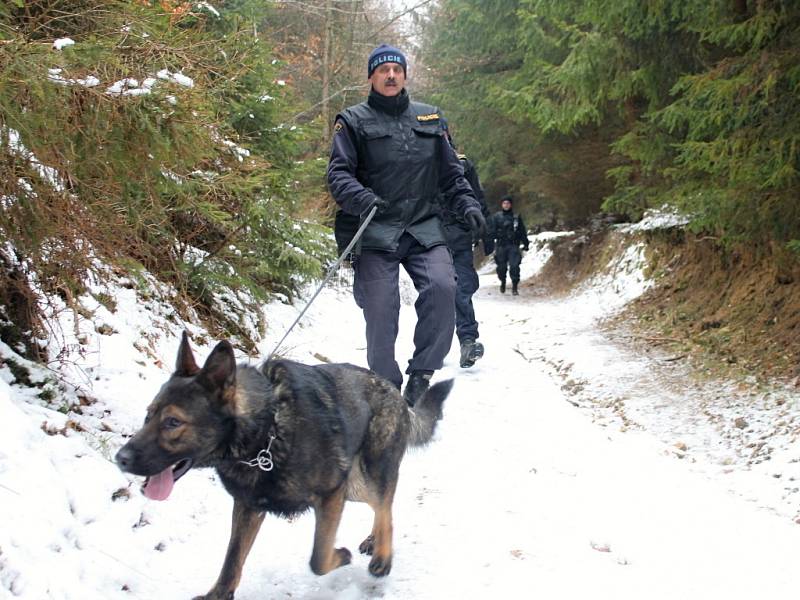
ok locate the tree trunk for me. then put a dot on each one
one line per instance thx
(326, 70)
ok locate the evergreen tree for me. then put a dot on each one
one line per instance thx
(156, 141)
(695, 100)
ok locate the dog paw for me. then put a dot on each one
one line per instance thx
(380, 566)
(367, 546)
(344, 556)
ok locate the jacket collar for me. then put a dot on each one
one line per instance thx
(391, 105)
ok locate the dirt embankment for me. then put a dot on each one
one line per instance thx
(731, 312)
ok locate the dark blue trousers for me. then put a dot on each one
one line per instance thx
(466, 286)
(376, 289)
(507, 257)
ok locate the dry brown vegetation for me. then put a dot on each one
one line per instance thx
(731, 312)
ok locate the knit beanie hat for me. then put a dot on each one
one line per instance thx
(383, 54)
(507, 197)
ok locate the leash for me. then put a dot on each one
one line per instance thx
(331, 271)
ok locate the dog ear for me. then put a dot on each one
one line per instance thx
(219, 371)
(186, 365)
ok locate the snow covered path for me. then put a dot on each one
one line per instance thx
(520, 495)
(523, 496)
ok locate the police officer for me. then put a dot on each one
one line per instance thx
(390, 153)
(460, 240)
(509, 233)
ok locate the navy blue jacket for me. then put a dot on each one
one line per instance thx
(509, 229)
(395, 149)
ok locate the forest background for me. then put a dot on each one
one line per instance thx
(188, 141)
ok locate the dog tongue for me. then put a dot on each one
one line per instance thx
(158, 487)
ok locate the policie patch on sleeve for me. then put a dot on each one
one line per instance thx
(338, 127)
(426, 118)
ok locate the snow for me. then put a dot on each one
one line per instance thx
(182, 79)
(209, 8)
(62, 43)
(658, 218)
(521, 494)
(16, 146)
(127, 86)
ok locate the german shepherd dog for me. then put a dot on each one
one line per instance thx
(283, 437)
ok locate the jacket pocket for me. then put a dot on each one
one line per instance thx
(378, 150)
(424, 142)
(374, 131)
(427, 130)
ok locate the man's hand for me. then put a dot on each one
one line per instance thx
(476, 223)
(376, 201)
(488, 246)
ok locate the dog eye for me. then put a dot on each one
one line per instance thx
(171, 423)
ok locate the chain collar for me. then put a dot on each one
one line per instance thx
(263, 459)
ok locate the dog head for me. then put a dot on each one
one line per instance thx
(189, 420)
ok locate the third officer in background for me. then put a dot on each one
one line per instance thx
(509, 234)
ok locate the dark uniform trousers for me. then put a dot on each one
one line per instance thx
(508, 257)
(376, 290)
(467, 285)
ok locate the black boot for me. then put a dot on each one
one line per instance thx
(418, 384)
(470, 352)
(514, 289)
(477, 350)
(502, 286)
(466, 350)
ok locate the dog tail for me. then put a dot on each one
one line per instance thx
(427, 412)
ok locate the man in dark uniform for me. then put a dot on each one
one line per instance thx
(460, 240)
(390, 153)
(509, 234)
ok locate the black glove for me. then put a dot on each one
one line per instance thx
(488, 246)
(376, 201)
(525, 247)
(476, 223)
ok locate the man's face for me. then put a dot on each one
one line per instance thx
(388, 79)
(506, 205)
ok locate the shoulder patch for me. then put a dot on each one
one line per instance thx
(338, 127)
(430, 117)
